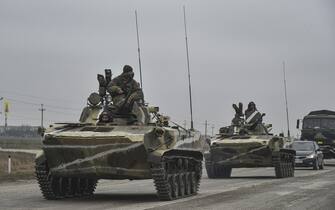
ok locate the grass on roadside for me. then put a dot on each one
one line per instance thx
(22, 166)
(20, 143)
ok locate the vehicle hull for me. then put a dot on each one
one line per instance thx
(106, 161)
(262, 157)
(121, 152)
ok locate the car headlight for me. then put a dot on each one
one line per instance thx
(311, 156)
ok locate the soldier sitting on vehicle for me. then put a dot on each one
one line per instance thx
(238, 118)
(242, 124)
(254, 119)
(127, 95)
(252, 115)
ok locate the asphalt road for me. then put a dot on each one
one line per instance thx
(247, 189)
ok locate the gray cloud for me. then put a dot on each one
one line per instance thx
(54, 49)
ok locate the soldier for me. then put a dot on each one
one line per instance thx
(127, 94)
(252, 116)
(238, 118)
(127, 83)
(250, 110)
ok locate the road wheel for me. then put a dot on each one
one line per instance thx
(46, 182)
(279, 170)
(225, 171)
(181, 183)
(219, 171)
(175, 186)
(193, 182)
(188, 184)
(316, 164)
(210, 170)
(53, 187)
(284, 165)
(285, 170)
(292, 168)
(176, 177)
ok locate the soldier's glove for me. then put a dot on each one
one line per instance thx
(108, 75)
(115, 90)
(102, 91)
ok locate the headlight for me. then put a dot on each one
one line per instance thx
(311, 156)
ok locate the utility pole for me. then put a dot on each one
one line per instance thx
(206, 124)
(213, 129)
(42, 110)
(1, 98)
(188, 69)
(287, 115)
(6, 110)
(6, 118)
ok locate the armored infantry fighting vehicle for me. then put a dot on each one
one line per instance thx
(319, 126)
(111, 144)
(248, 143)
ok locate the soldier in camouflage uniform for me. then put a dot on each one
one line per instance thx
(127, 94)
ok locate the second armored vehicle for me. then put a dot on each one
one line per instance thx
(111, 143)
(247, 143)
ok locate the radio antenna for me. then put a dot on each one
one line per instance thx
(285, 89)
(138, 49)
(188, 68)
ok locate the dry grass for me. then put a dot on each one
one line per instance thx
(20, 143)
(22, 166)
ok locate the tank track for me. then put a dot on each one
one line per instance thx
(284, 165)
(177, 177)
(53, 188)
(217, 171)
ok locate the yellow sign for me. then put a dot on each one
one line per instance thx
(6, 106)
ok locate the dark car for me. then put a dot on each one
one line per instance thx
(308, 154)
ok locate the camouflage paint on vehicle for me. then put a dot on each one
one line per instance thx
(319, 126)
(111, 144)
(243, 145)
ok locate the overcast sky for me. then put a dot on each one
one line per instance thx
(51, 51)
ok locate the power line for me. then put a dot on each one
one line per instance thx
(63, 113)
(21, 101)
(62, 107)
(31, 96)
(24, 118)
(51, 108)
(38, 104)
